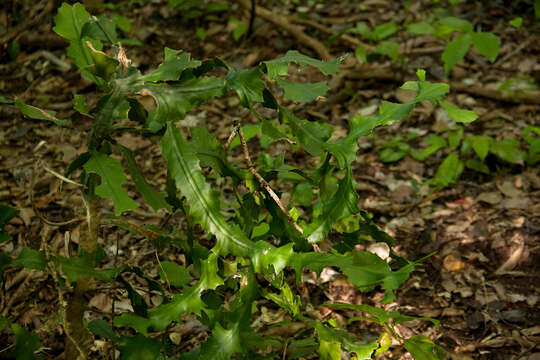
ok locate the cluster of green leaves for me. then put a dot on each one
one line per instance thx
(443, 26)
(249, 252)
(27, 258)
(515, 86)
(239, 28)
(26, 343)
(469, 152)
(379, 36)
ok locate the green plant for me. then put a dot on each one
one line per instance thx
(252, 249)
(26, 343)
(239, 28)
(378, 36)
(472, 153)
(531, 135)
(516, 86)
(486, 43)
(516, 22)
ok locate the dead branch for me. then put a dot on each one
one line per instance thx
(526, 97)
(294, 30)
(351, 40)
(344, 37)
(34, 20)
(385, 73)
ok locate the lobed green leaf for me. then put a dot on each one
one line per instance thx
(139, 347)
(26, 343)
(331, 341)
(302, 92)
(112, 177)
(280, 66)
(202, 201)
(247, 84)
(69, 23)
(449, 171)
(311, 135)
(174, 100)
(173, 65)
(423, 348)
(31, 259)
(421, 28)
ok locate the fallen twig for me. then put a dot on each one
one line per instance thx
(34, 20)
(294, 30)
(55, 60)
(514, 52)
(385, 73)
(344, 37)
(143, 231)
(61, 177)
(38, 212)
(20, 289)
(403, 48)
(529, 97)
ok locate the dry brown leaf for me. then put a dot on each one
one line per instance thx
(509, 190)
(522, 203)
(452, 263)
(380, 249)
(492, 197)
(514, 258)
(535, 330)
(402, 194)
(452, 311)
(102, 302)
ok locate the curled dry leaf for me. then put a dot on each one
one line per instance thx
(380, 249)
(453, 264)
(514, 258)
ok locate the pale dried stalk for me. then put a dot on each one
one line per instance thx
(37, 211)
(263, 182)
(231, 137)
(61, 177)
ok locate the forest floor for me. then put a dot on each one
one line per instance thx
(483, 281)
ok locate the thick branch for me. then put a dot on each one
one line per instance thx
(385, 73)
(528, 97)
